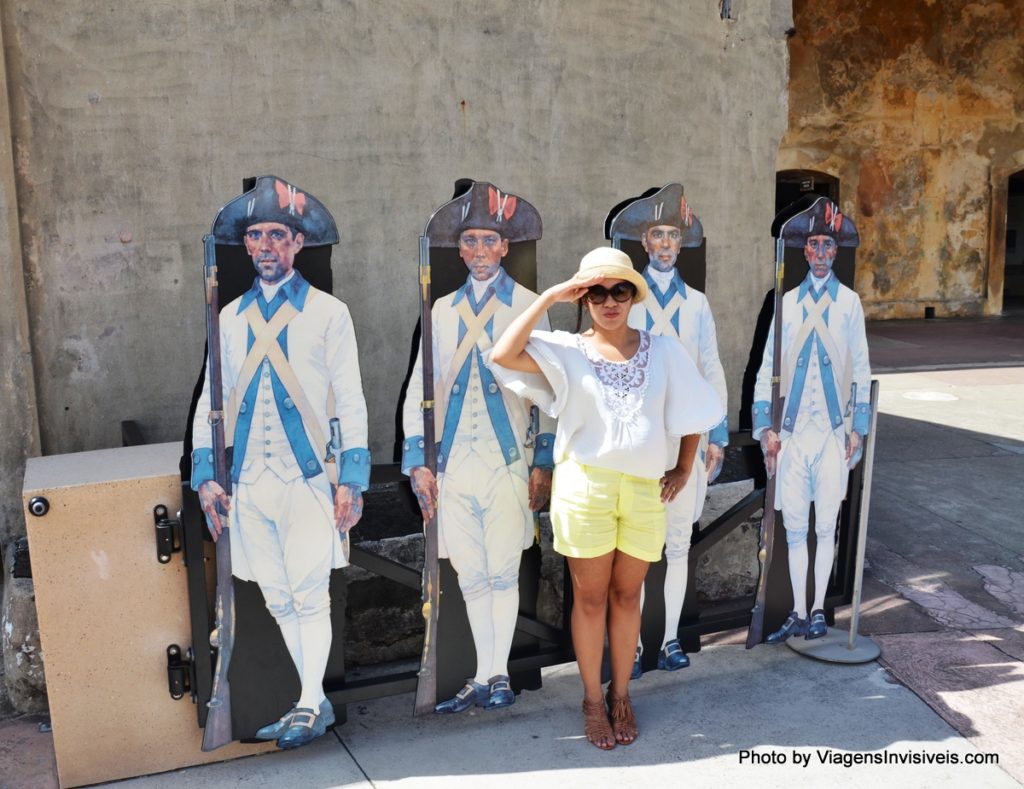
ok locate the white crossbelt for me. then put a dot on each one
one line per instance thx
(663, 317)
(815, 321)
(475, 337)
(265, 346)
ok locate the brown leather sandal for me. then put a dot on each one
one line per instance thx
(596, 726)
(620, 711)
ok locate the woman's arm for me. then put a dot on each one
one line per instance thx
(510, 349)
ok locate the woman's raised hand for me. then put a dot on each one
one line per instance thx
(572, 289)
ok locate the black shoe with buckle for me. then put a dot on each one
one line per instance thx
(793, 626)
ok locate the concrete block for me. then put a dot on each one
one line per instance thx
(107, 612)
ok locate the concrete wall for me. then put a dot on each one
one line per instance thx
(131, 129)
(918, 109)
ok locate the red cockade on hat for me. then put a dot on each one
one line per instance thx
(685, 212)
(833, 218)
(290, 196)
(501, 207)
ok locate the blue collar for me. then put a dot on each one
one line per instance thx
(831, 285)
(502, 288)
(295, 290)
(676, 280)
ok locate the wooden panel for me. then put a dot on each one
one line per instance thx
(107, 612)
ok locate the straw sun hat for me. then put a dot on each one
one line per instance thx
(610, 263)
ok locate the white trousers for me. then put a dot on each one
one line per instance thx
(480, 518)
(683, 511)
(812, 467)
(283, 536)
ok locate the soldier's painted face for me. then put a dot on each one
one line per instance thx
(820, 252)
(482, 251)
(662, 243)
(272, 247)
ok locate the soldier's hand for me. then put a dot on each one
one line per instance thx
(424, 485)
(216, 503)
(540, 488)
(348, 507)
(673, 482)
(770, 446)
(854, 442)
(713, 461)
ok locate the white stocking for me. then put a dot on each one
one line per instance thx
(315, 634)
(479, 612)
(505, 612)
(290, 634)
(798, 578)
(823, 556)
(676, 575)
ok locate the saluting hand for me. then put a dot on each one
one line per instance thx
(215, 502)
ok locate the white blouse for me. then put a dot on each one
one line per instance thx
(626, 416)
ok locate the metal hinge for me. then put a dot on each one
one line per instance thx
(168, 533)
(181, 673)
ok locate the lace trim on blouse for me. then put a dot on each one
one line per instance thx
(622, 383)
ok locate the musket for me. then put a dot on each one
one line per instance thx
(426, 684)
(218, 721)
(755, 633)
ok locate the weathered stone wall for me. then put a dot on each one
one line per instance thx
(918, 109)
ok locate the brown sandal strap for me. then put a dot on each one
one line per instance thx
(620, 711)
(596, 725)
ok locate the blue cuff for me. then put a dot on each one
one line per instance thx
(719, 434)
(355, 468)
(202, 466)
(544, 451)
(412, 453)
(862, 418)
(762, 414)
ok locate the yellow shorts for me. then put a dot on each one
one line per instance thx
(596, 510)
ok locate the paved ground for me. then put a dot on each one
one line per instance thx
(944, 597)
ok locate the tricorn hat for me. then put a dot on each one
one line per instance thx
(479, 205)
(273, 199)
(823, 218)
(667, 206)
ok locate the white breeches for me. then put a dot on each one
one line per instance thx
(683, 511)
(812, 467)
(481, 521)
(283, 536)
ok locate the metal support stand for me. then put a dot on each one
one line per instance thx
(838, 646)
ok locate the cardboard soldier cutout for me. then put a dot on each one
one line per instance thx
(664, 224)
(290, 405)
(494, 456)
(818, 355)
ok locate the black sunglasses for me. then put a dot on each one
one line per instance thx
(622, 291)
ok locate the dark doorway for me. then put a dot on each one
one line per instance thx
(791, 185)
(1013, 287)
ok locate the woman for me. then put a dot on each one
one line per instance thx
(623, 398)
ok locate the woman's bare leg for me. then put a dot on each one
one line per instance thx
(626, 583)
(590, 580)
